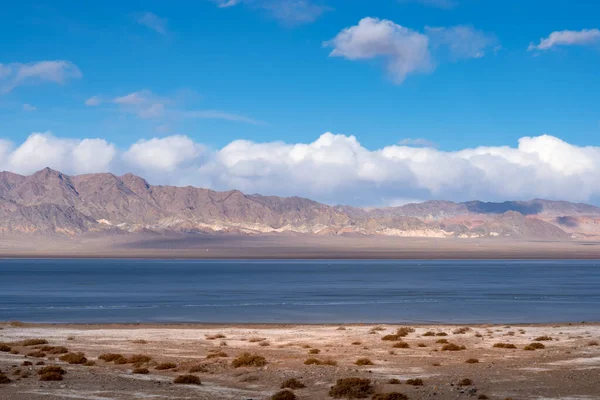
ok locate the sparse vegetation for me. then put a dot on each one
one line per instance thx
(187, 380)
(482, 397)
(139, 359)
(293, 384)
(74, 358)
(472, 361)
(112, 357)
(316, 361)
(453, 347)
(401, 345)
(215, 337)
(421, 345)
(36, 354)
(415, 382)
(461, 331)
(27, 363)
(442, 341)
(51, 376)
(52, 369)
(544, 338)
(4, 379)
(218, 354)
(593, 343)
(429, 333)
(364, 361)
(165, 366)
(249, 360)
(55, 349)
(5, 348)
(140, 341)
(141, 371)
(34, 342)
(400, 333)
(264, 344)
(256, 339)
(394, 381)
(504, 346)
(314, 351)
(465, 382)
(534, 346)
(441, 334)
(284, 395)
(389, 396)
(351, 388)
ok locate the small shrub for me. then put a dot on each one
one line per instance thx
(429, 333)
(421, 345)
(187, 380)
(593, 343)
(219, 354)
(198, 368)
(534, 346)
(453, 347)
(284, 395)
(140, 341)
(364, 361)
(74, 358)
(40, 363)
(33, 342)
(461, 331)
(165, 366)
(249, 360)
(293, 384)
(27, 363)
(215, 337)
(505, 346)
(441, 334)
(5, 348)
(389, 396)
(442, 341)
(351, 388)
(141, 371)
(415, 382)
(544, 338)
(465, 382)
(401, 345)
(139, 359)
(482, 397)
(256, 339)
(377, 329)
(89, 363)
(36, 354)
(472, 361)
(264, 344)
(4, 379)
(52, 368)
(110, 357)
(51, 376)
(341, 328)
(55, 349)
(314, 351)
(400, 333)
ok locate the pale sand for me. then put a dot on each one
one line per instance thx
(568, 368)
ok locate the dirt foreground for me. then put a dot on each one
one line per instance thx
(568, 367)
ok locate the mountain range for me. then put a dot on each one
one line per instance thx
(49, 202)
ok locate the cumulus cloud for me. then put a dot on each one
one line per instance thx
(418, 142)
(567, 38)
(17, 74)
(462, 41)
(152, 21)
(93, 101)
(144, 104)
(406, 51)
(290, 12)
(334, 168)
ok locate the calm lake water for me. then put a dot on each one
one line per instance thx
(299, 291)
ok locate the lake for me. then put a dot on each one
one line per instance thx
(298, 291)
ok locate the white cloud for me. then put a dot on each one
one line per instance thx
(418, 142)
(290, 12)
(93, 101)
(333, 168)
(567, 38)
(29, 107)
(144, 104)
(462, 41)
(152, 21)
(214, 114)
(17, 74)
(406, 51)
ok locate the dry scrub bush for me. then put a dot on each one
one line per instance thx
(139, 359)
(394, 381)
(364, 361)
(215, 337)
(429, 333)
(112, 357)
(74, 358)
(51, 376)
(505, 346)
(351, 388)
(52, 368)
(4, 379)
(389, 396)
(461, 331)
(198, 368)
(36, 354)
(55, 349)
(314, 351)
(421, 345)
(141, 371)
(315, 361)
(472, 361)
(284, 395)
(593, 343)
(465, 382)
(534, 346)
(187, 380)
(415, 382)
(249, 360)
(5, 348)
(442, 341)
(165, 366)
(544, 338)
(453, 347)
(293, 384)
(33, 342)
(401, 345)
(219, 354)
(256, 339)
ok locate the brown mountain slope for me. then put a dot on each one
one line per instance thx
(49, 202)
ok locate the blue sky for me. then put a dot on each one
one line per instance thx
(216, 71)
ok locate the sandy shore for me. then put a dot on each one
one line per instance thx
(567, 368)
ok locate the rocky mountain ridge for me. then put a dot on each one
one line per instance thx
(49, 202)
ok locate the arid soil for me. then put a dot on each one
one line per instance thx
(567, 367)
(292, 247)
